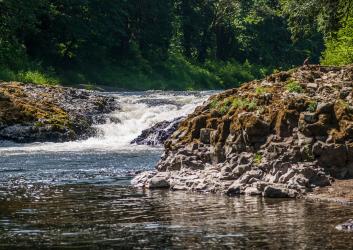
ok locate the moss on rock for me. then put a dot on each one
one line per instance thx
(288, 131)
(47, 113)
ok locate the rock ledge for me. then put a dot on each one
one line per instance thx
(34, 113)
(278, 137)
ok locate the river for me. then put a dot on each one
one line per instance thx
(78, 195)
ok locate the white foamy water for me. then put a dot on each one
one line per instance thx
(139, 111)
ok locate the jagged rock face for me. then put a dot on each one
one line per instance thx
(158, 134)
(278, 137)
(30, 113)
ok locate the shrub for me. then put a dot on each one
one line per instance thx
(28, 76)
(244, 103)
(231, 74)
(251, 105)
(257, 158)
(214, 104)
(339, 49)
(294, 87)
(312, 106)
(260, 90)
(173, 73)
(36, 77)
(221, 107)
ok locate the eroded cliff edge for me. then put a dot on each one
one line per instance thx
(33, 113)
(278, 137)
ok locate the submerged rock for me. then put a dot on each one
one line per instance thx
(347, 226)
(34, 113)
(279, 137)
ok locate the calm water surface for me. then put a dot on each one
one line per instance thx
(77, 196)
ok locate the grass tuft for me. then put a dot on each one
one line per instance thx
(312, 106)
(294, 87)
(258, 158)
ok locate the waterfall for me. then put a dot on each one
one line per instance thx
(138, 111)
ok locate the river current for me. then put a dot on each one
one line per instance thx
(78, 195)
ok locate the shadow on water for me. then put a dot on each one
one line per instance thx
(114, 216)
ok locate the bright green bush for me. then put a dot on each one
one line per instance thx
(28, 76)
(260, 90)
(36, 77)
(221, 107)
(312, 106)
(339, 50)
(175, 73)
(258, 158)
(244, 103)
(294, 87)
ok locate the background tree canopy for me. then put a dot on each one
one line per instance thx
(169, 44)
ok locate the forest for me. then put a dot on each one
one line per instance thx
(168, 44)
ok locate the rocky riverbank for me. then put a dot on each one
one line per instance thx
(283, 136)
(33, 113)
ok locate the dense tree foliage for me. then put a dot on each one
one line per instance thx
(165, 44)
(331, 18)
(339, 49)
(306, 16)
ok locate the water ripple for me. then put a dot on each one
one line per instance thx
(112, 216)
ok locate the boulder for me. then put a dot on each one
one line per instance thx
(276, 192)
(234, 189)
(324, 107)
(159, 181)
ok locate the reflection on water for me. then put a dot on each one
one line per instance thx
(115, 216)
(92, 167)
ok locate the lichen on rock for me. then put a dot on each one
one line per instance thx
(278, 137)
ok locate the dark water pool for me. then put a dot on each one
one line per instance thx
(84, 216)
(84, 201)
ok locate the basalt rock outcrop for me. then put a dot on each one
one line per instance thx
(158, 134)
(32, 113)
(278, 137)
